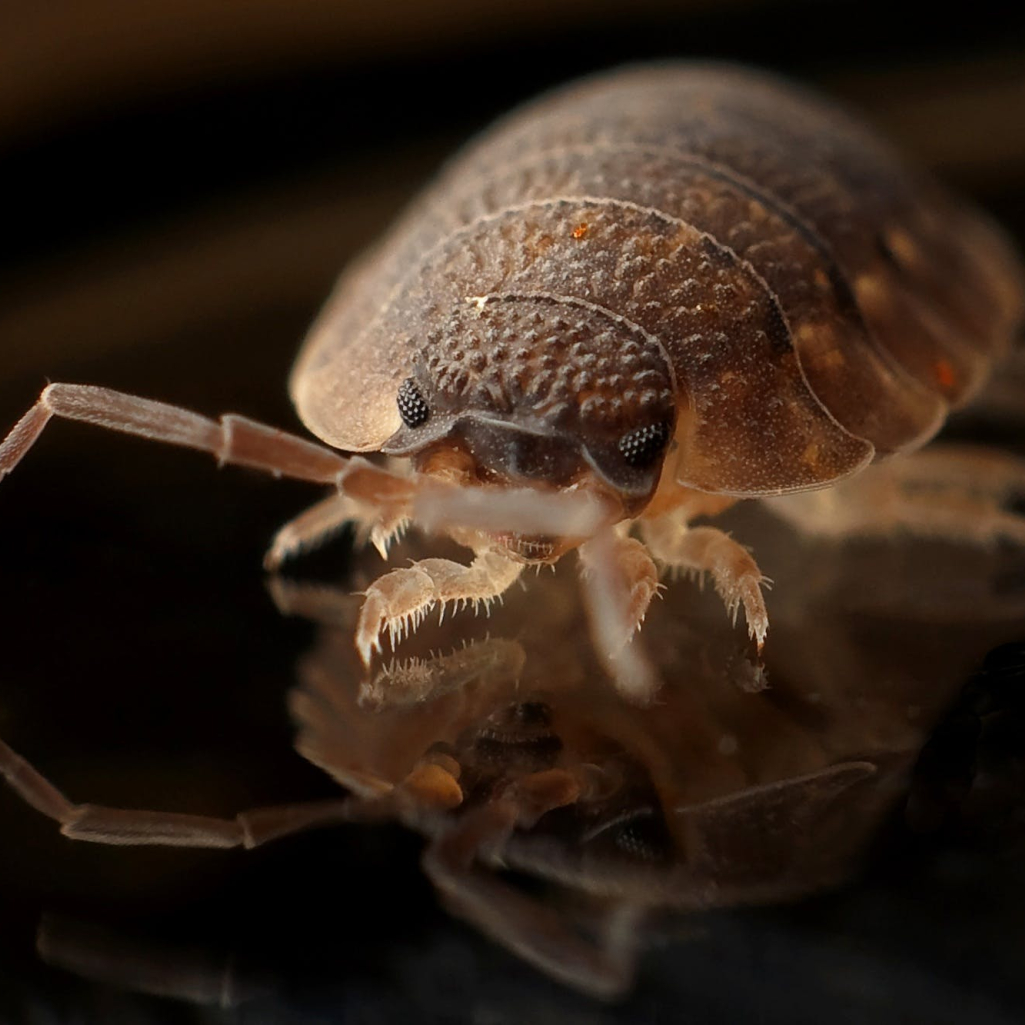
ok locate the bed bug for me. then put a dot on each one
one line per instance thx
(632, 303)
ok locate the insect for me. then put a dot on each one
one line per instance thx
(633, 303)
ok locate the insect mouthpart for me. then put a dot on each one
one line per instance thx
(531, 548)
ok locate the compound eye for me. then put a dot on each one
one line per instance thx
(413, 407)
(642, 446)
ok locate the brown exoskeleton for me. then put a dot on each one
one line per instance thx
(631, 304)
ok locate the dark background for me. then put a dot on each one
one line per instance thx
(182, 182)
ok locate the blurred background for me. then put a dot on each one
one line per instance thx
(183, 182)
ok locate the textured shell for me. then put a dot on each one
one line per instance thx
(819, 303)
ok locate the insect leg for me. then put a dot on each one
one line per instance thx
(619, 581)
(525, 925)
(122, 826)
(375, 523)
(494, 662)
(232, 440)
(383, 496)
(697, 550)
(640, 583)
(399, 600)
(957, 492)
(326, 604)
(137, 963)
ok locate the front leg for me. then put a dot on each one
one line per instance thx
(379, 524)
(619, 582)
(399, 601)
(232, 439)
(638, 583)
(699, 550)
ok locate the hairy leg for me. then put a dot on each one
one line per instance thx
(399, 600)
(619, 581)
(699, 550)
(493, 662)
(639, 583)
(312, 527)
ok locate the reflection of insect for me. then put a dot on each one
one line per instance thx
(662, 290)
(509, 752)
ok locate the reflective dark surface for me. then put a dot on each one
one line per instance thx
(713, 797)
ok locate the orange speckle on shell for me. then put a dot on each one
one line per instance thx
(580, 230)
(945, 376)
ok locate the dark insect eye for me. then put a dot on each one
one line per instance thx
(641, 447)
(412, 407)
